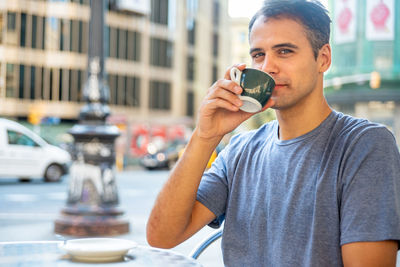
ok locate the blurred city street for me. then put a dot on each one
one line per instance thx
(28, 210)
(108, 85)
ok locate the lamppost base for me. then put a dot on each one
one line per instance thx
(91, 223)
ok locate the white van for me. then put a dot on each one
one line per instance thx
(25, 155)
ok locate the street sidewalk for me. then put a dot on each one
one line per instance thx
(34, 221)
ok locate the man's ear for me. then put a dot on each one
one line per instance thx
(324, 58)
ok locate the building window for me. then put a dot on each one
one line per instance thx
(159, 11)
(132, 92)
(49, 96)
(1, 28)
(34, 31)
(191, 28)
(117, 41)
(215, 44)
(73, 88)
(78, 38)
(72, 37)
(107, 39)
(214, 73)
(190, 104)
(123, 44)
(22, 38)
(61, 37)
(161, 52)
(121, 90)
(10, 80)
(191, 7)
(124, 90)
(133, 46)
(11, 21)
(60, 84)
(80, 85)
(190, 68)
(44, 73)
(112, 35)
(112, 83)
(160, 95)
(43, 41)
(137, 46)
(243, 37)
(136, 92)
(81, 2)
(21, 81)
(64, 34)
(216, 13)
(39, 83)
(32, 83)
(80, 35)
(85, 37)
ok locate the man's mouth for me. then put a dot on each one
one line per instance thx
(278, 86)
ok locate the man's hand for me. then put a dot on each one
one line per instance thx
(220, 110)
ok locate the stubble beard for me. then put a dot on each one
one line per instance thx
(289, 99)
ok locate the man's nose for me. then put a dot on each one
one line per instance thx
(269, 65)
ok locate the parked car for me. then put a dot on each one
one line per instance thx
(25, 155)
(167, 157)
(162, 158)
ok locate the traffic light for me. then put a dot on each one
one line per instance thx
(375, 81)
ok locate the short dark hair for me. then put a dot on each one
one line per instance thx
(310, 13)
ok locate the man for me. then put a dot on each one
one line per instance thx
(314, 188)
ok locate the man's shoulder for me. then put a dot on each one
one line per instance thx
(356, 127)
(350, 131)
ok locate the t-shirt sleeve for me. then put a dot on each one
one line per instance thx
(213, 189)
(370, 196)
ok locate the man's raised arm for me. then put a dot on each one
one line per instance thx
(176, 214)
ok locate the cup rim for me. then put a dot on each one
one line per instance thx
(260, 71)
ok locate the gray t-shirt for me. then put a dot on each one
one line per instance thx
(295, 202)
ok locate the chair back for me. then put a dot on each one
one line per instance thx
(196, 252)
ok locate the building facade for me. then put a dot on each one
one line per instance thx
(364, 79)
(240, 41)
(162, 55)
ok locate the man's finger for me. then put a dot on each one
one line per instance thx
(240, 66)
(217, 103)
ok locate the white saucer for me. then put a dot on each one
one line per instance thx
(98, 249)
(250, 104)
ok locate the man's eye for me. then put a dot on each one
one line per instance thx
(257, 55)
(285, 51)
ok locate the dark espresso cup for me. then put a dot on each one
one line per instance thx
(257, 88)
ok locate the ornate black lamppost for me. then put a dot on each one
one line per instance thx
(91, 208)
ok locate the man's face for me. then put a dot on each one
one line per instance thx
(280, 47)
